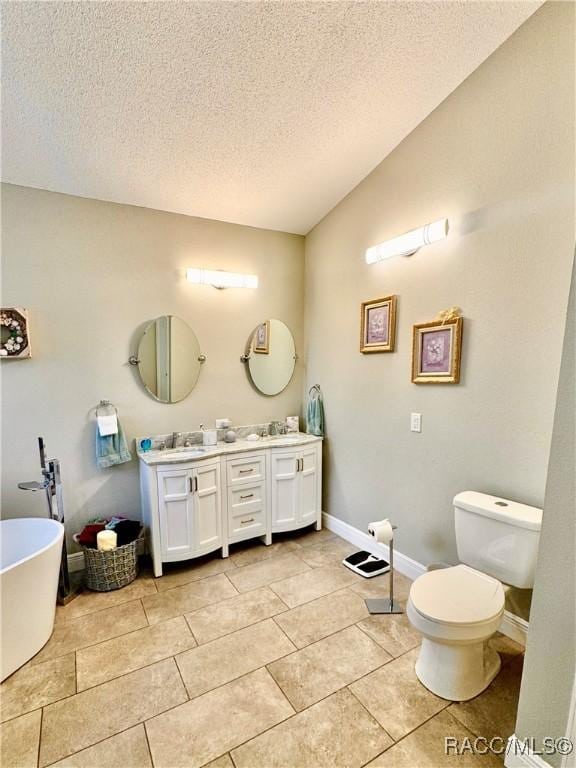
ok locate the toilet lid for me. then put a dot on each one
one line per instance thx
(458, 595)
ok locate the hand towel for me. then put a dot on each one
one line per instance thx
(315, 414)
(111, 449)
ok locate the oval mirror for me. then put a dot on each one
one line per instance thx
(169, 359)
(271, 357)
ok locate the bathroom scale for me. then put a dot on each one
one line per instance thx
(365, 564)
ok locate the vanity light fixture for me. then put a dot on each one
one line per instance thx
(218, 278)
(409, 243)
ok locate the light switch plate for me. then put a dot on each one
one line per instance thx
(416, 422)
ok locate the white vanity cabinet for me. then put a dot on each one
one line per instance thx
(195, 506)
(296, 487)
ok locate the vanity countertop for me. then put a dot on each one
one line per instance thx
(199, 452)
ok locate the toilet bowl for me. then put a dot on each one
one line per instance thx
(457, 610)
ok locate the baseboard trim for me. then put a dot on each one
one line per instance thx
(76, 562)
(519, 755)
(512, 626)
(402, 563)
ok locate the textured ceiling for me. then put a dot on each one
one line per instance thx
(262, 113)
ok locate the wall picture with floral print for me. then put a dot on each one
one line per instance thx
(378, 325)
(436, 352)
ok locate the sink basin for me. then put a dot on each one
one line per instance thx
(193, 450)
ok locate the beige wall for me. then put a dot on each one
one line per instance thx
(496, 158)
(548, 682)
(93, 274)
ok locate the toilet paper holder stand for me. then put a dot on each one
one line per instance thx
(386, 605)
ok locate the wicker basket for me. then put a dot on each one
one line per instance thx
(110, 569)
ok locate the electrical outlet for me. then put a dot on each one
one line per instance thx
(416, 422)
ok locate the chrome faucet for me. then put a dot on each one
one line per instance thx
(175, 437)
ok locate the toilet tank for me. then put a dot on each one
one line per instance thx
(498, 537)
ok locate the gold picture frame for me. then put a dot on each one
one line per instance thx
(437, 352)
(262, 338)
(378, 325)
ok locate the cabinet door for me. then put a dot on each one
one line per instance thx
(206, 530)
(176, 513)
(285, 489)
(308, 486)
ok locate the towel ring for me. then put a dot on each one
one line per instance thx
(105, 404)
(314, 388)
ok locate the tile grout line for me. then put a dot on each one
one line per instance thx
(39, 738)
(117, 733)
(299, 712)
(64, 620)
(181, 678)
(148, 744)
(192, 581)
(133, 632)
(91, 645)
(144, 611)
(92, 688)
(191, 630)
(383, 646)
(174, 656)
(405, 736)
(232, 631)
(330, 634)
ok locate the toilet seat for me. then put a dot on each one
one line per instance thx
(457, 597)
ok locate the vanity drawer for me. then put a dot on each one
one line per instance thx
(245, 469)
(247, 510)
(247, 526)
(249, 496)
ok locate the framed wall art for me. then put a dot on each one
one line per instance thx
(436, 352)
(262, 338)
(14, 333)
(378, 325)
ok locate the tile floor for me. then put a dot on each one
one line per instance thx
(266, 659)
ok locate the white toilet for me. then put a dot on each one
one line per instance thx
(458, 609)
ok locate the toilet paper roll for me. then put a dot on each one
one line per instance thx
(381, 530)
(106, 540)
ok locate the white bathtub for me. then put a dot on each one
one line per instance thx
(30, 554)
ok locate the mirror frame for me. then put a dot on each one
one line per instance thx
(135, 361)
(245, 358)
